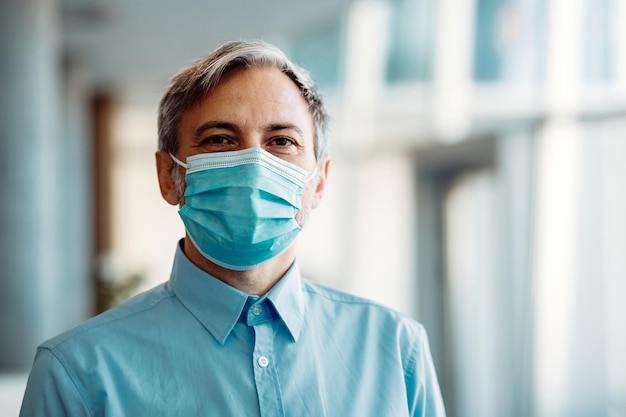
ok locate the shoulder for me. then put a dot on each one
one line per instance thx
(367, 326)
(322, 293)
(72, 369)
(135, 309)
(356, 309)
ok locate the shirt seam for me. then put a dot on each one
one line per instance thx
(347, 299)
(415, 353)
(412, 363)
(82, 330)
(70, 375)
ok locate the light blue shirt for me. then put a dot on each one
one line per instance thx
(195, 346)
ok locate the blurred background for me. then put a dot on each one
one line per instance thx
(477, 182)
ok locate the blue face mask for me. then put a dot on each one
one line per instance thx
(240, 206)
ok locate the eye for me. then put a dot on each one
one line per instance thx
(282, 142)
(282, 145)
(215, 140)
(216, 143)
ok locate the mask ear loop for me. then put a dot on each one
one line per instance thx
(179, 162)
(313, 174)
(182, 164)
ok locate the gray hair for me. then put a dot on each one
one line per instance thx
(191, 85)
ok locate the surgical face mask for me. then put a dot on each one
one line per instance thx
(240, 206)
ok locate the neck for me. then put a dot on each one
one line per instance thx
(255, 281)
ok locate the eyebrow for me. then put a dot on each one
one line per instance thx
(274, 127)
(284, 126)
(215, 125)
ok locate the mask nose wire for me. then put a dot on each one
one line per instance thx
(178, 161)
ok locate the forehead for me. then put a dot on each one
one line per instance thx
(252, 97)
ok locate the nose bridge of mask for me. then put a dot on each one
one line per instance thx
(204, 161)
(291, 172)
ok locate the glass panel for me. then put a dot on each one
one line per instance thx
(318, 50)
(487, 49)
(411, 40)
(596, 41)
(509, 40)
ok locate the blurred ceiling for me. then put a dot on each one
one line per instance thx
(131, 42)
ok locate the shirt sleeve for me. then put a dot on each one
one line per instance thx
(50, 391)
(424, 395)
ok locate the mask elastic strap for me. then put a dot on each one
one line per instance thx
(312, 175)
(179, 162)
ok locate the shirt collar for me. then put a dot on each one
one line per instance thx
(218, 306)
(287, 298)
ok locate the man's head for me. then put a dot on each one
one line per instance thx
(192, 85)
(244, 95)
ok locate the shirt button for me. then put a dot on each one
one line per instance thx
(263, 362)
(257, 309)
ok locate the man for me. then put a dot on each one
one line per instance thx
(236, 331)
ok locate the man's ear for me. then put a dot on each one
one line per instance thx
(166, 181)
(321, 182)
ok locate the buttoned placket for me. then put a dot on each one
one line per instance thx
(261, 318)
